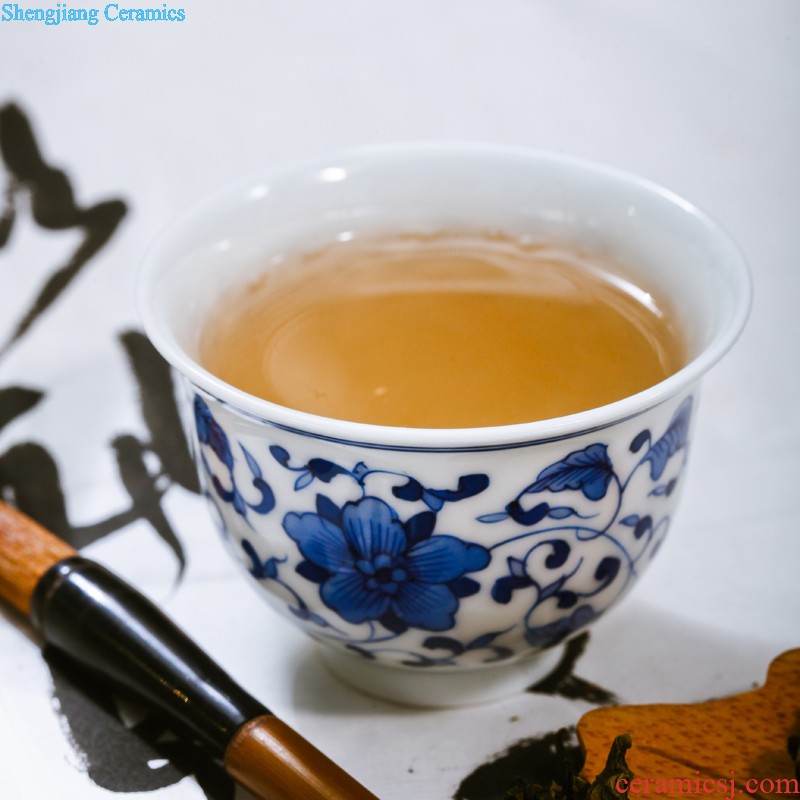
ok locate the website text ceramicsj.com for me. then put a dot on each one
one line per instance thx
(111, 12)
(725, 788)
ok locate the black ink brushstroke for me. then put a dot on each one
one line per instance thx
(8, 214)
(30, 478)
(116, 758)
(122, 759)
(29, 475)
(159, 409)
(537, 760)
(53, 207)
(146, 491)
(15, 401)
(563, 681)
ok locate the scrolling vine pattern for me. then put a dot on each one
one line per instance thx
(392, 574)
(557, 529)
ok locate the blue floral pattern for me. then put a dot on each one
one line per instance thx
(372, 566)
(211, 434)
(367, 566)
(549, 568)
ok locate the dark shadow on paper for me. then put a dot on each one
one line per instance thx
(141, 756)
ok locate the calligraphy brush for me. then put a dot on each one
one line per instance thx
(116, 634)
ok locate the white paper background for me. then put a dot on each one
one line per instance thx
(700, 96)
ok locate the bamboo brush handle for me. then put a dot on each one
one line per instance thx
(274, 762)
(27, 551)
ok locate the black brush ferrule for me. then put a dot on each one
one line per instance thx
(111, 629)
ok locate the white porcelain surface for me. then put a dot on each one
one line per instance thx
(441, 552)
(465, 687)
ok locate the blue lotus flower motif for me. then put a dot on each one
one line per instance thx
(371, 566)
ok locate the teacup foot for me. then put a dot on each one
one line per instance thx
(431, 688)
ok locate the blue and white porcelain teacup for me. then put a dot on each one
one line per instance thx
(440, 567)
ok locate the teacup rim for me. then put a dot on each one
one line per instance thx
(464, 438)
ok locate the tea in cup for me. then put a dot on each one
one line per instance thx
(391, 331)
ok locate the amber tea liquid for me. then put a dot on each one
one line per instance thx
(442, 332)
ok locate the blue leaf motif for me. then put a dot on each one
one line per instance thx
(552, 590)
(490, 519)
(238, 503)
(271, 567)
(267, 502)
(393, 623)
(665, 489)
(504, 587)
(325, 470)
(280, 455)
(301, 612)
(434, 502)
(256, 568)
(444, 643)
(560, 554)
(529, 517)
(500, 654)
(226, 495)
(484, 640)
(675, 439)
(517, 578)
(420, 526)
(464, 587)
(561, 512)
(328, 510)
(311, 572)
(643, 526)
(639, 441)
(607, 570)
(305, 478)
(411, 490)
(468, 486)
(360, 470)
(566, 599)
(516, 566)
(364, 653)
(588, 470)
(251, 462)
